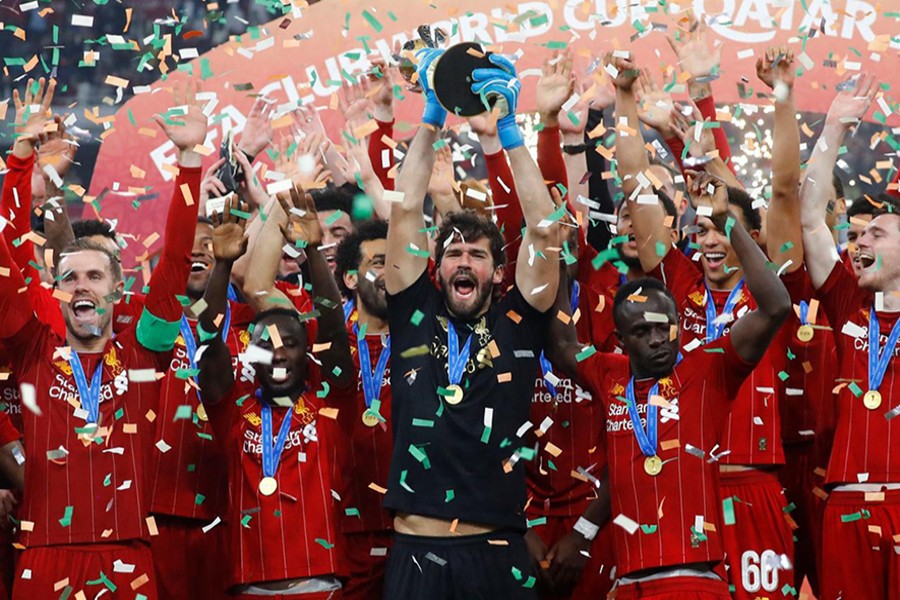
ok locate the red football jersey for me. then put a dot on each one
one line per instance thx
(79, 488)
(865, 448)
(292, 533)
(9, 391)
(189, 474)
(753, 434)
(363, 452)
(808, 404)
(674, 517)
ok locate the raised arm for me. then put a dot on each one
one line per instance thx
(784, 241)
(562, 347)
(554, 89)
(537, 272)
(381, 155)
(33, 122)
(849, 106)
(55, 156)
(185, 125)
(332, 344)
(648, 218)
(14, 304)
(754, 331)
(407, 244)
(229, 244)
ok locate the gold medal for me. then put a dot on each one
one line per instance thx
(370, 418)
(805, 333)
(872, 399)
(652, 465)
(267, 486)
(456, 394)
(201, 413)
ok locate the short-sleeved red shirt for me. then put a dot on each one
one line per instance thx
(753, 433)
(684, 495)
(865, 444)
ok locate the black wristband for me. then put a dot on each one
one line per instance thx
(574, 148)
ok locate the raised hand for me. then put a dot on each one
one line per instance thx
(501, 85)
(32, 114)
(250, 190)
(302, 219)
(687, 124)
(852, 101)
(308, 120)
(435, 114)
(709, 194)
(354, 102)
(57, 149)
(695, 56)
(184, 124)
(211, 186)
(382, 78)
(257, 133)
(654, 104)
(776, 65)
(624, 72)
(485, 124)
(441, 183)
(229, 240)
(555, 86)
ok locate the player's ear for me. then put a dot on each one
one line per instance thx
(497, 279)
(351, 280)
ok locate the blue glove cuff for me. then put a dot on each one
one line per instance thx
(434, 114)
(509, 133)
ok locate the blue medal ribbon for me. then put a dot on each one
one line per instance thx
(546, 367)
(715, 330)
(804, 312)
(232, 293)
(372, 381)
(456, 359)
(271, 453)
(646, 440)
(89, 394)
(190, 344)
(878, 361)
(349, 305)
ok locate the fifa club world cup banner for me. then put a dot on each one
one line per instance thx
(302, 58)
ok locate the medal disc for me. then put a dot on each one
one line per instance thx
(370, 418)
(805, 333)
(653, 465)
(457, 394)
(872, 399)
(201, 413)
(267, 486)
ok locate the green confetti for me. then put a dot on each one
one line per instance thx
(422, 423)
(324, 543)
(728, 511)
(854, 389)
(67, 517)
(417, 317)
(420, 456)
(449, 496)
(536, 522)
(199, 499)
(586, 353)
(245, 521)
(649, 529)
(371, 20)
(352, 512)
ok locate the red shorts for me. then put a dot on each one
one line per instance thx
(859, 555)
(336, 595)
(189, 562)
(799, 480)
(680, 588)
(595, 581)
(80, 564)
(366, 580)
(760, 535)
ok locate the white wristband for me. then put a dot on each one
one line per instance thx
(586, 528)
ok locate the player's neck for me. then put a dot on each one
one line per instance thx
(92, 345)
(728, 284)
(365, 317)
(634, 273)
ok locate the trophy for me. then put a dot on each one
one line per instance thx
(452, 80)
(230, 174)
(407, 66)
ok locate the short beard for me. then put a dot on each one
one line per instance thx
(375, 303)
(632, 262)
(484, 296)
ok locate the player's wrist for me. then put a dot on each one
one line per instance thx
(434, 114)
(509, 133)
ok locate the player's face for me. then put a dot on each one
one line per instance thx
(879, 254)
(87, 275)
(336, 225)
(370, 277)
(202, 261)
(857, 225)
(286, 375)
(467, 276)
(627, 250)
(720, 263)
(650, 342)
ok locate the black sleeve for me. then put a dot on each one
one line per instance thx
(598, 233)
